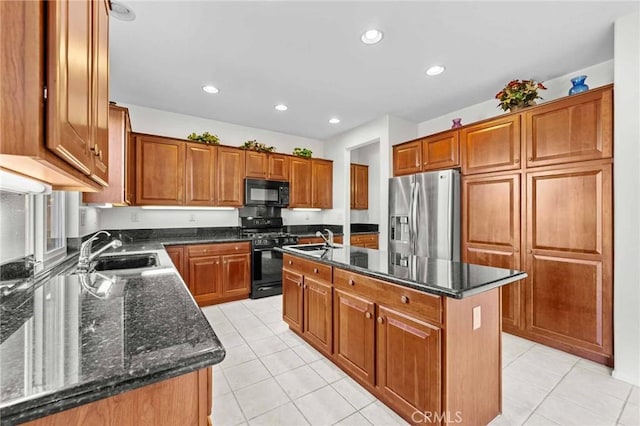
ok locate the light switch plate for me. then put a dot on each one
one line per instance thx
(477, 317)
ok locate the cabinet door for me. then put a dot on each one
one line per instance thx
(569, 258)
(230, 177)
(491, 233)
(441, 151)
(257, 165)
(354, 334)
(492, 146)
(407, 158)
(200, 175)
(278, 167)
(575, 129)
(205, 278)
(130, 161)
(408, 362)
(236, 274)
(322, 184)
(69, 82)
(300, 183)
(318, 325)
(100, 102)
(177, 255)
(360, 189)
(292, 299)
(159, 171)
(352, 186)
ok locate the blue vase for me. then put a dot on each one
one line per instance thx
(578, 85)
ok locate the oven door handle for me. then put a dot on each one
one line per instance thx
(264, 249)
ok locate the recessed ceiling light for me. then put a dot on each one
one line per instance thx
(435, 70)
(371, 36)
(121, 11)
(210, 89)
(281, 107)
(334, 120)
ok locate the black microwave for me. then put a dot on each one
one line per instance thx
(261, 192)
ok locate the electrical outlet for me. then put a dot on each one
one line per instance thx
(477, 317)
(134, 217)
(306, 216)
(192, 217)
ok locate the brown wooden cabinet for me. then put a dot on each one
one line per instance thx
(121, 189)
(178, 257)
(278, 166)
(410, 378)
(441, 151)
(262, 165)
(300, 183)
(230, 177)
(491, 146)
(201, 179)
(491, 233)
(185, 399)
(369, 241)
(219, 272)
(48, 135)
(321, 184)
(318, 240)
(576, 128)
(292, 296)
(317, 323)
(407, 158)
(354, 335)
(569, 258)
(359, 187)
(160, 170)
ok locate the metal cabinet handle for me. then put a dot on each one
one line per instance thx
(404, 299)
(299, 284)
(237, 248)
(291, 262)
(315, 270)
(351, 282)
(529, 251)
(517, 160)
(516, 249)
(380, 320)
(218, 262)
(368, 315)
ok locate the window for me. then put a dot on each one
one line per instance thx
(51, 240)
(16, 226)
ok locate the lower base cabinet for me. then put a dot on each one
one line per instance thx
(418, 353)
(369, 241)
(214, 273)
(182, 400)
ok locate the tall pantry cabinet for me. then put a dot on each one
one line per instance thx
(537, 196)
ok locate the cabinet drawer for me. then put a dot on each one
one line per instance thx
(307, 267)
(364, 238)
(406, 300)
(196, 250)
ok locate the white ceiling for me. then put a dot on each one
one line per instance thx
(308, 55)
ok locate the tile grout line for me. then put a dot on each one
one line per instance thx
(552, 389)
(626, 401)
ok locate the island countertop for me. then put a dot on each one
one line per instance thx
(434, 276)
(73, 339)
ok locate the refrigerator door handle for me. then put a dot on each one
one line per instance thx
(414, 216)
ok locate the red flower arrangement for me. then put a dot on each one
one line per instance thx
(519, 93)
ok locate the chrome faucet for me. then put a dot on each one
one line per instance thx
(85, 250)
(328, 241)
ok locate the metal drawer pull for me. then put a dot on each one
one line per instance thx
(380, 320)
(404, 299)
(368, 315)
(299, 284)
(315, 270)
(351, 282)
(291, 262)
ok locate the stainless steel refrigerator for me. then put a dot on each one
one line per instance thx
(424, 214)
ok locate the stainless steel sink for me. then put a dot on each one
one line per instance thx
(314, 249)
(127, 261)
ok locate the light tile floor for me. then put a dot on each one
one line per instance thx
(272, 377)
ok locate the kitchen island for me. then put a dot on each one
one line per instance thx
(128, 347)
(422, 335)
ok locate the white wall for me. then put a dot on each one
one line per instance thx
(80, 219)
(597, 75)
(626, 187)
(164, 123)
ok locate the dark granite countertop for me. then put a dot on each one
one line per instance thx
(72, 339)
(435, 276)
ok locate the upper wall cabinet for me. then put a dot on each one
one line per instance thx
(311, 183)
(261, 165)
(322, 184)
(231, 162)
(491, 146)
(57, 81)
(160, 171)
(577, 128)
(407, 158)
(200, 174)
(122, 179)
(359, 187)
(441, 151)
(300, 183)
